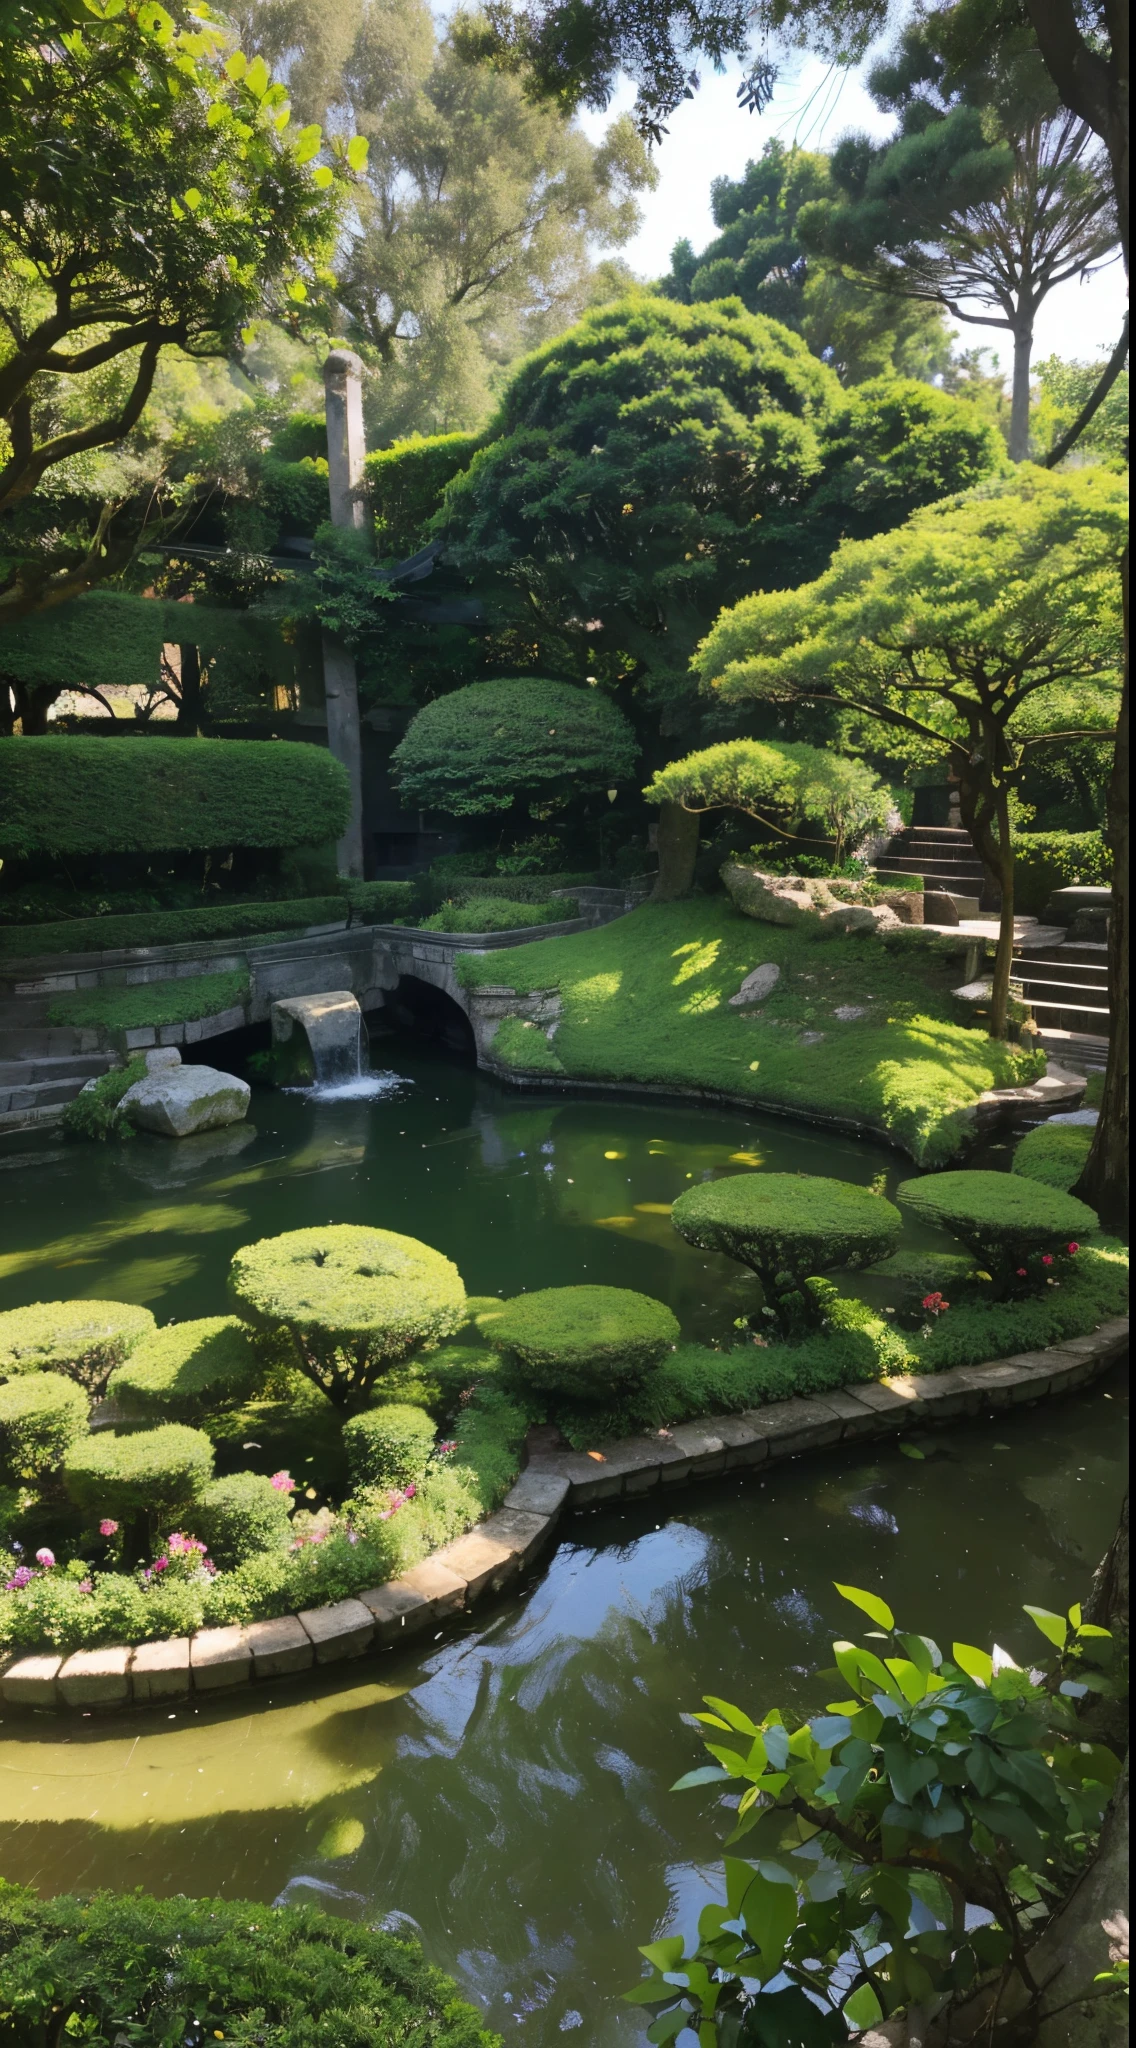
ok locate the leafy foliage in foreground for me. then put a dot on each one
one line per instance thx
(157, 1971)
(899, 1846)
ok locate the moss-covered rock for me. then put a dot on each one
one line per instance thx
(348, 1301)
(582, 1341)
(389, 1446)
(41, 1415)
(183, 1371)
(786, 1228)
(85, 1339)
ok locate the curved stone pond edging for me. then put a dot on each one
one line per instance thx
(495, 1552)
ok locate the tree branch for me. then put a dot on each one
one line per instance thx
(1105, 382)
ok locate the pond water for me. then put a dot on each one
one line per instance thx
(505, 1792)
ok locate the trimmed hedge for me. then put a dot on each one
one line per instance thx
(153, 1471)
(786, 1228)
(381, 902)
(238, 1516)
(582, 1341)
(498, 914)
(85, 1339)
(389, 1446)
(41, 1416)
(473, 750)
(179, 1373)
(155, 1971)
(1009, 1220)
(169, 927)
(72, 795)
(1054, 1154)
(150, 1002)
(347, 1302)
(406, 482)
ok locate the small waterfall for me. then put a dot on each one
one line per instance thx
(320, 1045)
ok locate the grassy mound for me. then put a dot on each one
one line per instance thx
(647, 998)
(1054, 1154)
(580, 1341)
(151, 1002)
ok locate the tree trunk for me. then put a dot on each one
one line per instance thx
(1107, 1602)
(1004, 954)
(1020, 394)
(1104, 1182)
(678, 849)
(189, 705)
(32, 707)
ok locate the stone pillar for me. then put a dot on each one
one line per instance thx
(346, 450)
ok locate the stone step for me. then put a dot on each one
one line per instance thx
(38, 1094)
(1063, 973)
(45, 1041)
(1086, 1052)
(939, 835)
(79, 1067)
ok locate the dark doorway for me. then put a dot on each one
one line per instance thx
(429, 1013)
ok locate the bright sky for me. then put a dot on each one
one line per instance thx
(711, 137)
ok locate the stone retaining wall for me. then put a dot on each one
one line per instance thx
(499, 1549)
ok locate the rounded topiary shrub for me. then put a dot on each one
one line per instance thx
(185, 1370)
(41, 1415)
(786, 1227)
(86, 1339)
(582, 1341)
(1013, 1223)
(238, 1516)
(349, 1301)
(389, 1446)
(1054, 1154)
(150, 1474)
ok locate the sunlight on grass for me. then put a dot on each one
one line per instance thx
(599, 988)
(700, 957)
(182, 1219)
(700, 1003)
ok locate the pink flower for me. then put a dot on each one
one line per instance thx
(107, 1527)
(283, 1482)
(85, 1586)
(1047, 1258)
(46, 1558)
(1071, 1248)
(21, 1577)
(1021, 1272)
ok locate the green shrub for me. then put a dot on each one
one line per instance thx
(581, 1341)
(913, 883)
(786, 1228)
(347, 1301)
(498, 914)
(1011, 1222)
(156, 1971)
(406, 482)
(152, 1473)
(151, 1002)
(1054, 1153)
(70, 795)
(381, 902)
(86, 1339)
(183, 1371)
(41, 1416)
(520, 1042)
(515, 888)
(1094, 1091)
(389, 1446)
(170, 927)
(240, 1515)
(1094, 1287)
(911, 1276)
(1045, 861)
(96, 1111)
(475, 749)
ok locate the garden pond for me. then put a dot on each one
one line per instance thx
(504, 1790)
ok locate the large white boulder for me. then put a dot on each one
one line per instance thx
(178, 1101)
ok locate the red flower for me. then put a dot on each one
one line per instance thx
(1071, 1248)
(1021, 1272)
(1047, 1258)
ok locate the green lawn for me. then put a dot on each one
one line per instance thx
(646, 998)
(151, 1002)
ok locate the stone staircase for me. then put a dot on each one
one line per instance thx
(1066, 987)
(34, 1090)
(945, 857)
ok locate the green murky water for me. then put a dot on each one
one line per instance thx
(504, 1790)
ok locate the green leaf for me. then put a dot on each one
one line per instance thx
(1053, 1626)
(192, 198)
(307, 143)
(256, 77)
(733, 1716)
(770, 1916)
(666, 1954)
(863, 2008)
(357, 150)
(912, 1451)
(321, 177)
(652, 1991)
(668, 2025)
(870, 1604)
(236, 66)
(976, 1663)
(706, 1774)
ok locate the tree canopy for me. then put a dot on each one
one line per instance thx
(781, 784)
(758, 256)
(479, 748)
(157, 196)
(946, 630)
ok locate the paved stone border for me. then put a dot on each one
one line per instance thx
(498, 1550)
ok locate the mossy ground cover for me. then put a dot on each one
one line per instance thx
(151, 1002)
(647, 998)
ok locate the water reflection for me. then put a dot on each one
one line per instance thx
(505, 1791)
